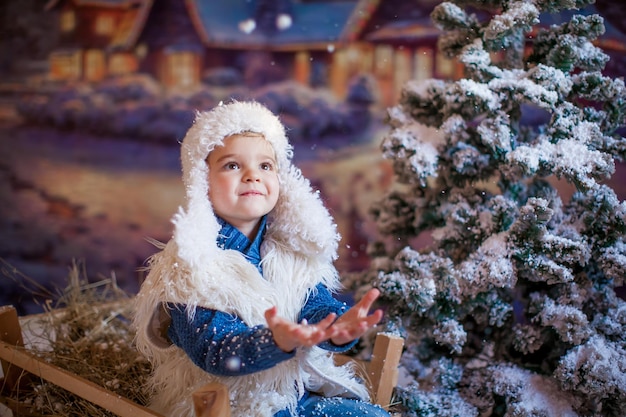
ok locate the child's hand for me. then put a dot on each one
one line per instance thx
(289, 335)
(355, 322)
(351, 325)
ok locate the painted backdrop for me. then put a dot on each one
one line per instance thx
(95, 96)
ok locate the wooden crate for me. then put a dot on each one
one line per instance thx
(380, 373)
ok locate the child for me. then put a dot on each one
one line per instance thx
(242, 293)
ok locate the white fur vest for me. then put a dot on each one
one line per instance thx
(298, 251)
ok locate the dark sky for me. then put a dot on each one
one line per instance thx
(26, 29)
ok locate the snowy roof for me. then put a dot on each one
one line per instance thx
(100, 3)
(320, 22)
(404, 32)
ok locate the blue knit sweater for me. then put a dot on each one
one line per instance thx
(222, 344)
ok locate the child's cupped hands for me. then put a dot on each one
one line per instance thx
(351, 325)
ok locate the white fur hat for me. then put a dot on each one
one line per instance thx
(299, 219)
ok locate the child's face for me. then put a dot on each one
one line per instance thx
(243, 181)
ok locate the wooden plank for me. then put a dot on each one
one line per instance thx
(10, 333)
(212, 400)
(383, 368)
(80, 386)
(209, 401)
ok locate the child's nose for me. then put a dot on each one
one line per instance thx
(252, 175)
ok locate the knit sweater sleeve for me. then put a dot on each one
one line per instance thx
(223, 344)
(319, 305)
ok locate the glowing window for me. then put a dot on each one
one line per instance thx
(183, 68)
(423, 67)
(68, 20)
(105, 24)
(383, 60)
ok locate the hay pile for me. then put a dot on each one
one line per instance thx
(86, 332)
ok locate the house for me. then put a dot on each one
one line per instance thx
(95, 38)
(401, 44)
(315, 42)
(322, 42)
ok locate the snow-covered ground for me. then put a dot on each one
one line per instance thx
(68, 196)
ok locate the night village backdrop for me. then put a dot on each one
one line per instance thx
(95, 96)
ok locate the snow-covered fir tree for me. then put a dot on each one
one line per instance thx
(511, 310)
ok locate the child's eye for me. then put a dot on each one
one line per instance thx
(231, 166)
(267, 166)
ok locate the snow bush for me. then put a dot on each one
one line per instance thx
(138, 107)
(516, 288)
